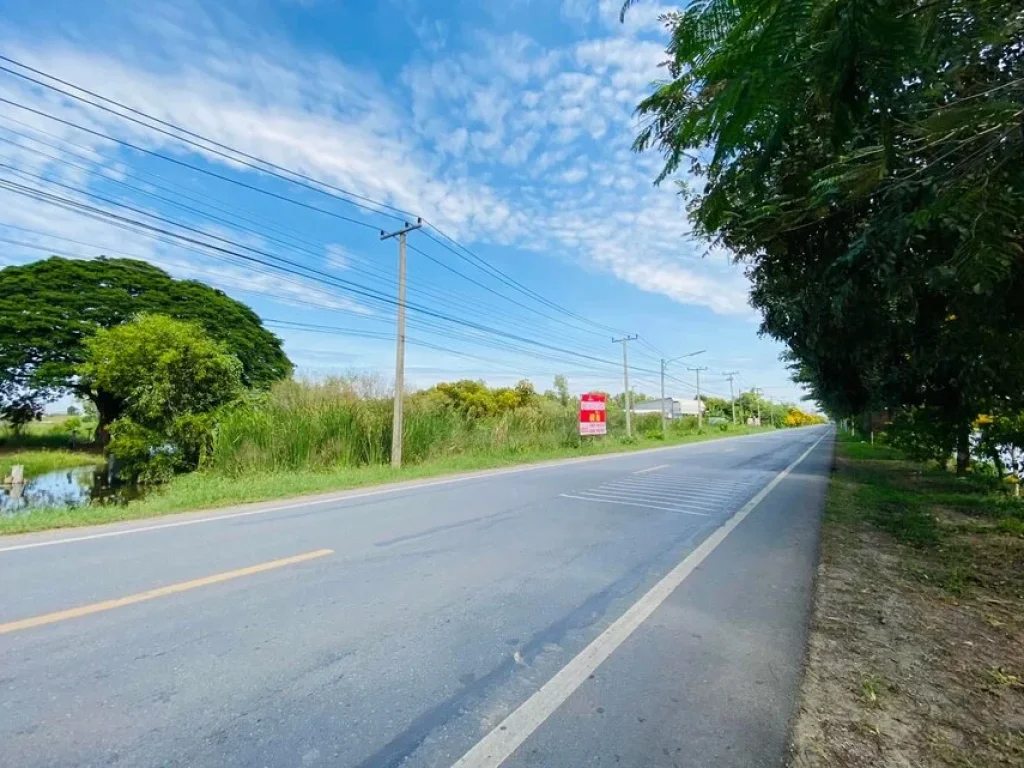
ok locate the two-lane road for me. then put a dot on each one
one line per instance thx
(640, 610)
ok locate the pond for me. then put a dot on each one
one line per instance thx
(66, 488)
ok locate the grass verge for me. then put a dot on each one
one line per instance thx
(203, 490)
(40, 462)
(916, 649)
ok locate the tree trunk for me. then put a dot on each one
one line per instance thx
(963, 449)
(108, 408)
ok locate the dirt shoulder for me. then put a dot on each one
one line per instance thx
(916, 646)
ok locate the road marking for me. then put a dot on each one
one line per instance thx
(632, 504)
(152, 594)
(611, 493)
(651, 469)
(676, 493)
(343, 496)
(498, 745)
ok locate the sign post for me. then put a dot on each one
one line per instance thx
(594, 414)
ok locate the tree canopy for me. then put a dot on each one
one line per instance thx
(864, 160)
(49, 308)
(171, 378)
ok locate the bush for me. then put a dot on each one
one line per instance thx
(320, 425)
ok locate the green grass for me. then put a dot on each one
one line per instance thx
(41, 462)
(209, 490)
(924, 508)
(53, 432)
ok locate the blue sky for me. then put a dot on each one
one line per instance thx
(507, 125)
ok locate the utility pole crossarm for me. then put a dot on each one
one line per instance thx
(396, 425)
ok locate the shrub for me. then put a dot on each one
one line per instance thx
(173, 381)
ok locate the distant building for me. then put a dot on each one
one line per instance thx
(674, 407)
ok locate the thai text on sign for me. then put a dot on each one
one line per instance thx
(594, 414)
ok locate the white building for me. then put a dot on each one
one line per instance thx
(674, 407)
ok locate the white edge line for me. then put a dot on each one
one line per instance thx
(634, 504)
(498, 745)
(651, 469)
(213, 517)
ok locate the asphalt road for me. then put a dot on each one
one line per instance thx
(638, 610)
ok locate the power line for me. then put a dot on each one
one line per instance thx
(444, 295)
(298, 325)
(276, 171)
(426, 324)
(190, 166)
(290, 267)
(192, 229)
(482, 264)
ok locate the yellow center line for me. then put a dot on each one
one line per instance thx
(152, 594)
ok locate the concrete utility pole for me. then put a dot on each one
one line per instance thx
(757, 399)
(624, 341)
(700, 403)
(396, 424)
(664, 363)
(732, 397)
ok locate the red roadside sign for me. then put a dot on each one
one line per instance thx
(594, 414)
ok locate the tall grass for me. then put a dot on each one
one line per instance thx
(330, 424)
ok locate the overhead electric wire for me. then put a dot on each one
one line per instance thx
(427, 325)
(442, 294)
(302, 178)
(190, 166)
(648, 344)
(438, 293)
(315, 328)
(490, 269)
(482, 264)
(289, 267)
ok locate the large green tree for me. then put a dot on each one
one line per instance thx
(50, 307)
(172, 379)
(864, 160)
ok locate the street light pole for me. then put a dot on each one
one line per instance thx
(700, 403)
(664, 363)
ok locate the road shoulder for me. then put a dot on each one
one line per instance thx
(916, 648)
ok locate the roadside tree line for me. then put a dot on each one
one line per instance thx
(864, 161)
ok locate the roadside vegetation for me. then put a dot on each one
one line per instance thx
(865, 163)
(191, 399)
(211, 489)
(916, 651)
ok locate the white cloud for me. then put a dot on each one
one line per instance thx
(455, 140)
(573, 175)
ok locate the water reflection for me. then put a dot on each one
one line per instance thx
(65, 488)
